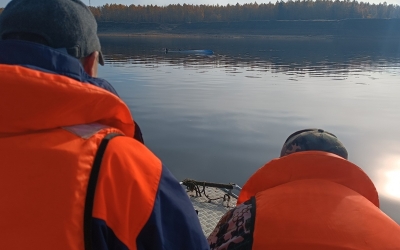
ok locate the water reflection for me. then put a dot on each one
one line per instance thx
(315, 56)
(219, 118)
(393, 183)
(390, 177)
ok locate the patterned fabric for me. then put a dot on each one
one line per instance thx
(235, 229)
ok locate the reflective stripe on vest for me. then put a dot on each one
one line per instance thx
(85, 131)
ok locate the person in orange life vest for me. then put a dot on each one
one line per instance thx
(72, 174)
(310, 198)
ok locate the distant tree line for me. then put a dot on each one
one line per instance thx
(289, 10)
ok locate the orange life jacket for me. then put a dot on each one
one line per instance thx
(317, 200)
(49, 140)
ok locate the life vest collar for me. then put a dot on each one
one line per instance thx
(31, 100)
(310, 165)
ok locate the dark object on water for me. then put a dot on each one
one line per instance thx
(191, 51)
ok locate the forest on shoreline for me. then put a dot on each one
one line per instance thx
(289, 10)
(357, 28)
(299, 17)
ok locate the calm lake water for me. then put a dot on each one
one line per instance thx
(219, 118)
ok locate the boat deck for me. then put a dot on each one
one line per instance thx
(211, 204)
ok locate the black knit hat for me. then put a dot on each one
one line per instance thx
(65, 24)
(313, 139)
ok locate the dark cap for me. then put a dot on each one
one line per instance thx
(313, 139)
(65, 24)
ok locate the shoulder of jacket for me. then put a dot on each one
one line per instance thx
(127, 151)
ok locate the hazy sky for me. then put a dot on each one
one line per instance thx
(3, 3)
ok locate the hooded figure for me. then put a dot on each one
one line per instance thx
(310, 198)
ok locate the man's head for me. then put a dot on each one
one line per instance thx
(313, 139)
(65, 24)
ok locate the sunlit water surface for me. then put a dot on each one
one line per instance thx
(219, 118)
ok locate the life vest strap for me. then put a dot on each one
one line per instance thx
(87, 220)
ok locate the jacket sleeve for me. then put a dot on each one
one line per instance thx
(173, 223)
(138, 204)
(138, 133)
